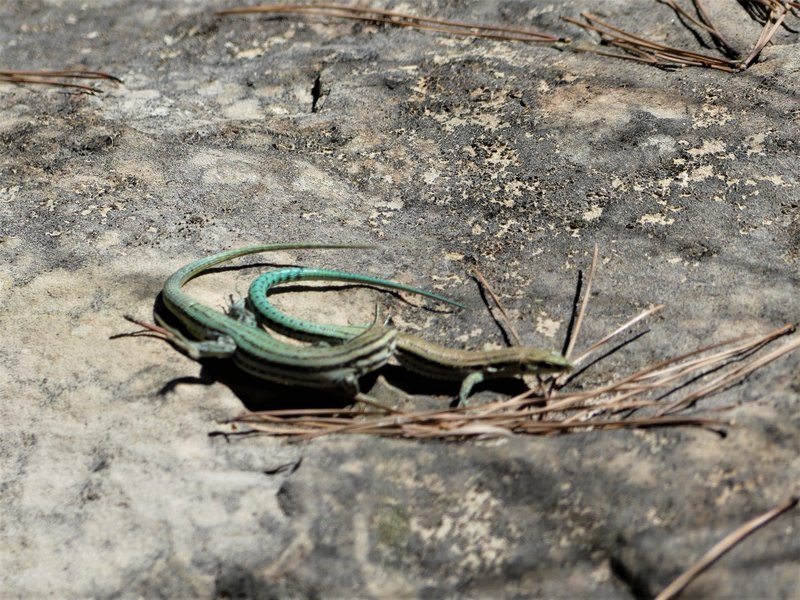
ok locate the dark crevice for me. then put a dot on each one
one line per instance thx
(637, 586)
(288, 467)
(316, 93)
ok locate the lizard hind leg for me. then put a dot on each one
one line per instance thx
(220, 346)
(242, 312)
(167, 333)
(350, 386)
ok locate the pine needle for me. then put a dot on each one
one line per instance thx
(398, 19)
(564, 406)
(506, 319)
(723, 547)
(55, 78)
(770, 13)
(584, 304)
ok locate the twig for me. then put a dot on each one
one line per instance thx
(647, 50)
(506, 319)
(761, 10)
(575, 411)
(297, 412)
(51, 77)
(584, 304)
(306, 429)
(720, 549)
(659, 367)
(67, 73)
(772, 13)
(402, 20)
(732, 377)
(713, 31)
(628, 324)
(766, 35)
(704, 23)
(607, 406)
(147, 326)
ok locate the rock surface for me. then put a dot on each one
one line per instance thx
(445, 152)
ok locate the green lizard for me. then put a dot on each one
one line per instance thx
(470, 367)
(255, 351)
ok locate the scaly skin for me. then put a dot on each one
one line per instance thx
(254, 350)
(470, 367)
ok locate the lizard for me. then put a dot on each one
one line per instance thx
(253, 350)
(470, 367)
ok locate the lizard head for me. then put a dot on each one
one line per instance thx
(542, 362)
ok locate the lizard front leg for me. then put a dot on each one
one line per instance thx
(469, 382)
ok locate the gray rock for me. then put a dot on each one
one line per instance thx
(445, 152)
